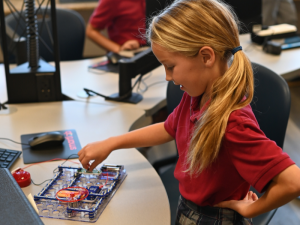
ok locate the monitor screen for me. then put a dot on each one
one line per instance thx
(249, 13)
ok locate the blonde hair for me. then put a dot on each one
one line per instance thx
(185, 27)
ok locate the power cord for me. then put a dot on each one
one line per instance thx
(40, 183)
(137, 82)
(88, 91)
(147, 86)
(54, 171)
(13, 141)
(2, 106)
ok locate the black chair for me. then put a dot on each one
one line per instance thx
(70, 31)
(271, 106)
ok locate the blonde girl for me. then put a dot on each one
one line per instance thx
(222, 150)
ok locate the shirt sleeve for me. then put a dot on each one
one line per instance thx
(103, 15)
(171, 122)
(256, 158)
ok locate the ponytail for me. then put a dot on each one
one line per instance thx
(227, 96)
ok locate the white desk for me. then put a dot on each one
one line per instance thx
(287, 64)
(141, 198)
(75, 76)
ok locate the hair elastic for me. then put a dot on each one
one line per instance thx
(233, 51)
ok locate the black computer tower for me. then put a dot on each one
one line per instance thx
(34, 80)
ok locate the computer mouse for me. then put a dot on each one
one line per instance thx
(46, 140)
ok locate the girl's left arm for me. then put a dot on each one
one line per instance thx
(283, 188)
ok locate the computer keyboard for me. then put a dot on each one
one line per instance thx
(8, 157)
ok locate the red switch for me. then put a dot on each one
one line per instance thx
(22, 177)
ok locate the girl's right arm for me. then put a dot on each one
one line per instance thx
(283, 188)
(144, 137)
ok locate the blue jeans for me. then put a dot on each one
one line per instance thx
(188, 213)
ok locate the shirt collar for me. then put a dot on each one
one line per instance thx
(195, 111)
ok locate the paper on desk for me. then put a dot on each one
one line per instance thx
(32, 202)
(131, 53)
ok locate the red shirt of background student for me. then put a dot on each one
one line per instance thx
(124, 21)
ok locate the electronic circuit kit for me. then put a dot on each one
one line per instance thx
(76, 194)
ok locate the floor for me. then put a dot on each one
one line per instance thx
(288, 214)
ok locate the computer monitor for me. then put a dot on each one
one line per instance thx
(155, 6)
(249, 12)
(141, 64)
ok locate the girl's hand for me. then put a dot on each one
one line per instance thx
(240, 206)
(97, 151)
(130, 45)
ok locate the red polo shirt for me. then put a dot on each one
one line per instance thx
(247, 157)
(124, 19)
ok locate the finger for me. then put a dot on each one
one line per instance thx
(127, 46)
(136, 45)
(87, 166)
(94, 164)
(130, 47)
(85, 163)
(250, 193)
(254, 197)
(224, 204)
(123, 47)
(81, 157)
(80, 152)
(248, 196)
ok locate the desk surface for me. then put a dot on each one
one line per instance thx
(75, 76)
(287, 64)
(141, 198)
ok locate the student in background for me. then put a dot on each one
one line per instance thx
(124, 21)
(278, 12)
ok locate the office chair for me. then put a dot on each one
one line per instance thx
(271, 106)
(70, 31)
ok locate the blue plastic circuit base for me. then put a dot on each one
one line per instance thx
(87, 210)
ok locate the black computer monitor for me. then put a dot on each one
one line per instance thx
(141, 64)
(249, 12)
(155, 6)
